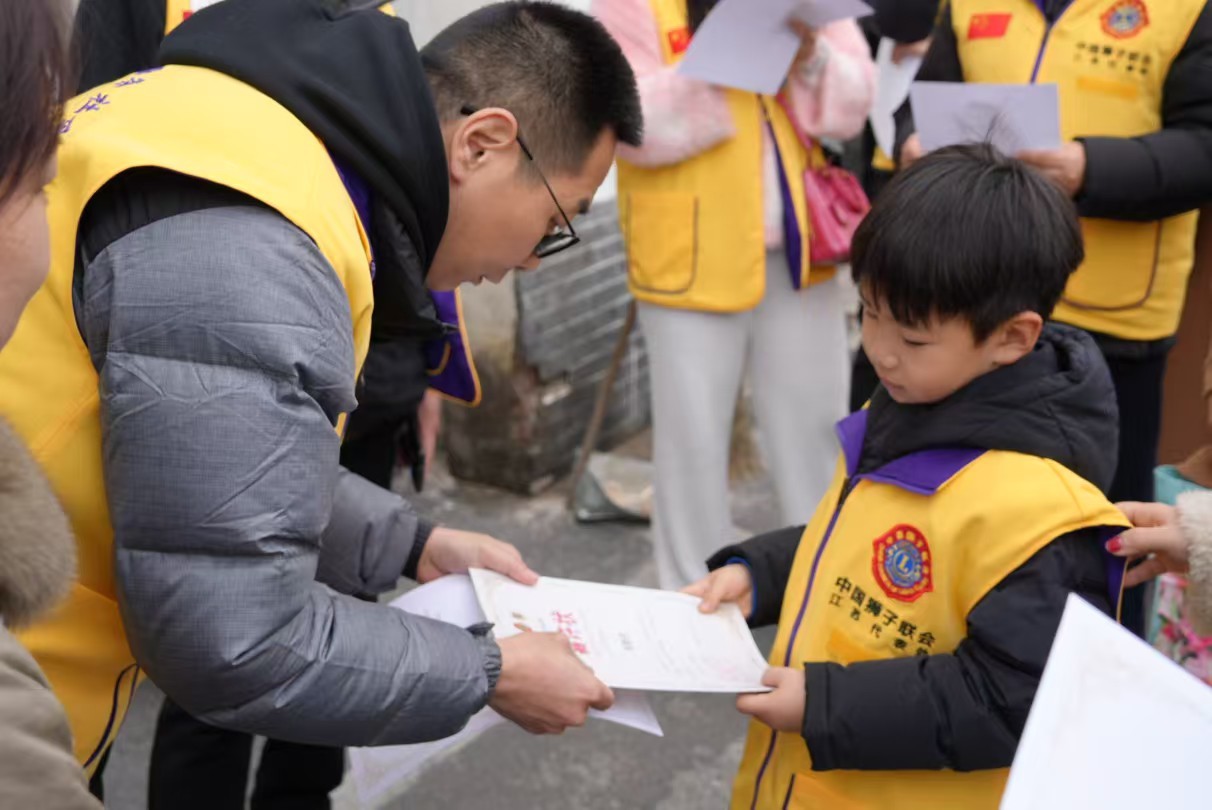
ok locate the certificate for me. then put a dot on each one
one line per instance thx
(632, 638)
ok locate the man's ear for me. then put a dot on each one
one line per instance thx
(482, 139)
(1017, 337)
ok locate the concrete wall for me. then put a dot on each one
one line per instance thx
(542, 343)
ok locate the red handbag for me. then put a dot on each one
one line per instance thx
(836, 205)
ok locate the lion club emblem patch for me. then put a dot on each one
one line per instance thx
(902, 563)
(1126, 18)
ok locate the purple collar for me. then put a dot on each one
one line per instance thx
(924, 472)
(359, 193)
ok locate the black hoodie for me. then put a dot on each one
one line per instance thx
(964, 710)
(355, 80)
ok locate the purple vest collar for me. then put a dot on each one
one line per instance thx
(448, 359)
(924, 472)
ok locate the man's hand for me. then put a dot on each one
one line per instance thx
(732, 583)
(911, 151)
(429, 425)
(453, 552)
(544, 687)
(782, 709)
(1065, 166)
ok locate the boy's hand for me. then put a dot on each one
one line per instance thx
(782, 709)
(732, 583)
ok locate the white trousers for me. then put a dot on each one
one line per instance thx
(794, 344)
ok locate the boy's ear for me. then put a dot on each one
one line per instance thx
(1017, 337)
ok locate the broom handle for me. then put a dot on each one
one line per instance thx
(603, 399)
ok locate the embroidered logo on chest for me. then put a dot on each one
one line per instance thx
(1126, 18)
(902, 563)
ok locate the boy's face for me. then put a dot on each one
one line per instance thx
(927, 363)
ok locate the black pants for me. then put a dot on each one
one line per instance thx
(1138, 382)
(195, 765)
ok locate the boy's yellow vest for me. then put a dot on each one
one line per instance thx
(695, 231)
(1110, 59)
(196, 122)
(892, 573)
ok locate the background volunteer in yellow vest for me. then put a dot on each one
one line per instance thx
(917, 608)
(1136, 108)
(181, 383)
(37, 549)
(713, 212)
(194, 764)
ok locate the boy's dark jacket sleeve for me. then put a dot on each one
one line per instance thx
(769, 558)
(1139, 179)
(963, 710)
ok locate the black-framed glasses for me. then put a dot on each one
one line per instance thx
(558, 240)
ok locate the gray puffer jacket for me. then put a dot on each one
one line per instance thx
(223, 341)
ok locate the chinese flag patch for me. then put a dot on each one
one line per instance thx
(679, 40)
(988, 26)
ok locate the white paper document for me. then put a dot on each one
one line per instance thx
(1115, 724)
(748, 45)
(1013, 117)
(380, 771)
(891, 90)
(632, 638)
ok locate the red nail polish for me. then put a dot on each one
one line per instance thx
(1114, 545)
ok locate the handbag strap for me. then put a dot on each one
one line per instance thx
(816, 155)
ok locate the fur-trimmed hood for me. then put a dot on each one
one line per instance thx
(1195, 516)
(37, 550)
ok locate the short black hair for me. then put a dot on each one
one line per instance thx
(968, 232)
(556, 69)
(34, 81)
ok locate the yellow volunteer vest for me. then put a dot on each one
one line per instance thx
(695, 231)
(895, 574)
(196, 122)
(1109, 59)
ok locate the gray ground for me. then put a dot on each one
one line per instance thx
(598, 767)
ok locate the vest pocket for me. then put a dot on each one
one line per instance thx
(661, 228)
(811, 791)
(1120, 266)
